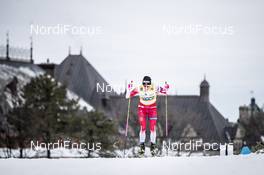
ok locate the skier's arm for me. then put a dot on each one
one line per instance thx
(134, 92)
(131, 90)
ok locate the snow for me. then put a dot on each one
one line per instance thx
(8, 72)
(24, 74)
(216, 165)
(81, 101)
(262, 139)
(84, 104)
(29, 72)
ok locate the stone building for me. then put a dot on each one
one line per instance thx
(250, 126)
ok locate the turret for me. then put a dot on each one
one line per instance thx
(204, 90)
(7, 46)
(31, 50)
(69, 50)
(81, 50)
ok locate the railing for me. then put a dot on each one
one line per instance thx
(15, 53)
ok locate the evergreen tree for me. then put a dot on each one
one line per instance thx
(47, 115)
(45, 111)
(22, 126)
(97, 128)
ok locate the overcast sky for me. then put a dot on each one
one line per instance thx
(177, 41)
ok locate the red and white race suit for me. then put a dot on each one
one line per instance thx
(147, 108)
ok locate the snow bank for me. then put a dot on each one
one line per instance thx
(216, 165)
(55, 153)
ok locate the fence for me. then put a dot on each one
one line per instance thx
(16, 53)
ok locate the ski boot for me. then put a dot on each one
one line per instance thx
(141, 151)
(153, 149)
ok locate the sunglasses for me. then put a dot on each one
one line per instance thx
(146, 83)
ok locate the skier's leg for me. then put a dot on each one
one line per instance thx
(142, 133)
(152, 125)
(142, 122)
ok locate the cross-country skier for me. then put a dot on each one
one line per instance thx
(147, 110)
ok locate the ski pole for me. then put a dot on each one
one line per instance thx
(166, 116)
(166, 113)
(128, 111)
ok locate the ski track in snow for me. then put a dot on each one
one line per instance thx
(216, 165)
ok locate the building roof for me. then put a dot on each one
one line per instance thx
(81, 77)
(183, 111)
(20, 63)
(204, 83)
